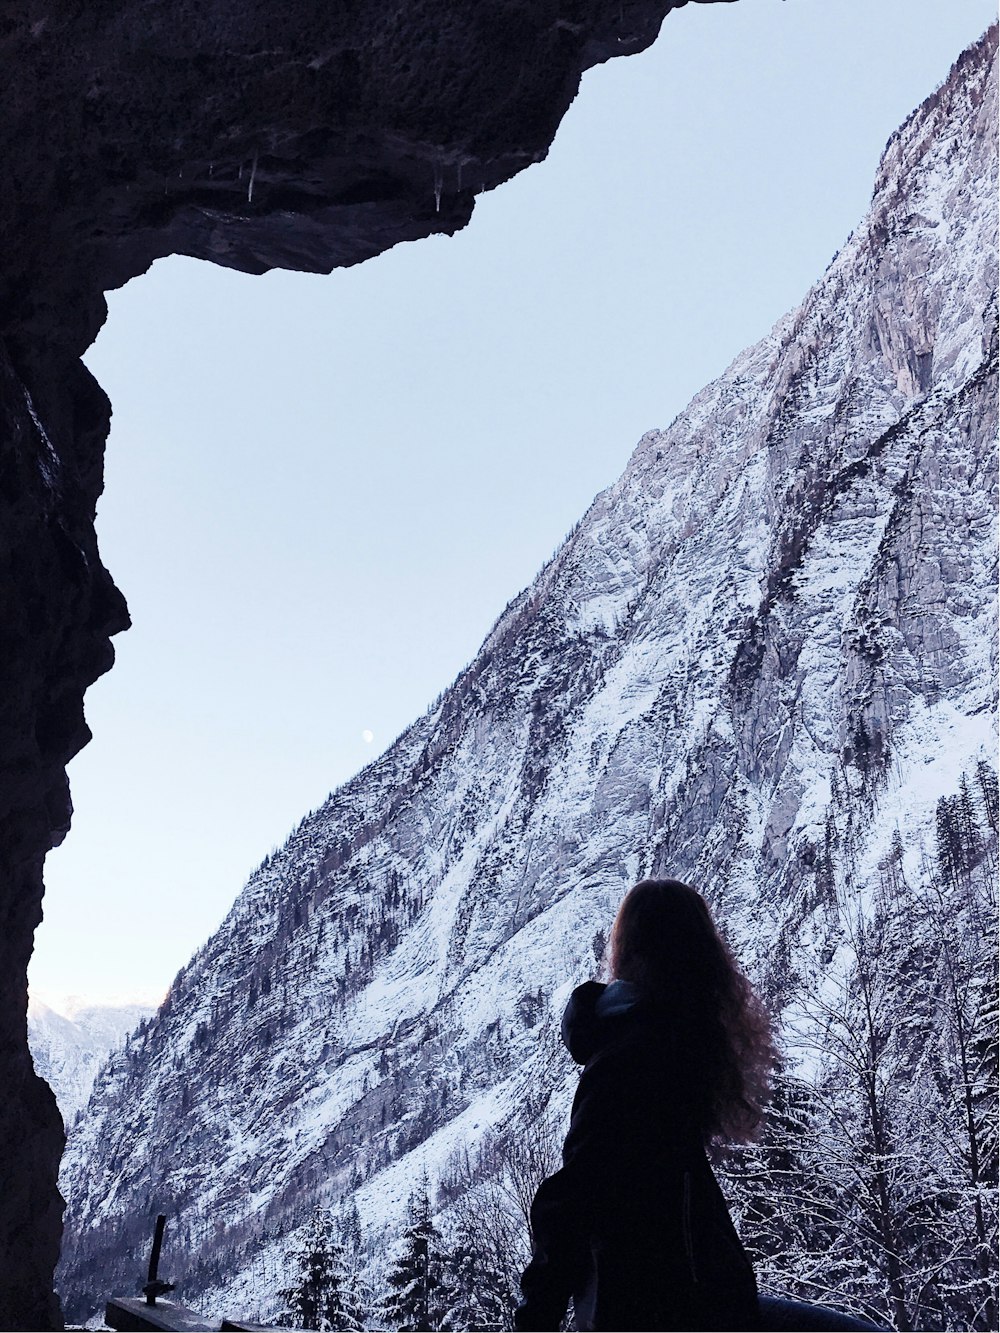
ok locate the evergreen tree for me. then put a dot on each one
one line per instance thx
(319, 1298)
(475, 1296)
(987, 780)
(356, 1293)
(416, 1294)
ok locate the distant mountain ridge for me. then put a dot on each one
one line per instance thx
(759, 663)
(68, 1048)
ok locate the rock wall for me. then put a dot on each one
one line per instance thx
(303, 135)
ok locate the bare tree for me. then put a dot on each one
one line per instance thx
(488, 1233)
(884, 1150)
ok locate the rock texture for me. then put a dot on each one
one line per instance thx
(759, 661)
(303, 135)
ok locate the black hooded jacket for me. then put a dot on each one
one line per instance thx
(634, 1226)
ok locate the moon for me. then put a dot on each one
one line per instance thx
(367, 736)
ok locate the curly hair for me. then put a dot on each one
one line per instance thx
(665, 943)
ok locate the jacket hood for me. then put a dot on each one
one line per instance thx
(595, 1015)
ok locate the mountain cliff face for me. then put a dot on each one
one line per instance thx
(758, 663)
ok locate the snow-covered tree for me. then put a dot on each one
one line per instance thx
(960, 1064)
(787, 1205)
(488, 1238)
(875, 1186)
(475, 1293)
(320, 1295)
(415, 1301)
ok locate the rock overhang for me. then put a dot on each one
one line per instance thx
(306, 136)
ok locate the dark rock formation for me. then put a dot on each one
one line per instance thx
(304, 135)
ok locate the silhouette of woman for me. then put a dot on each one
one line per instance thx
(677, 1054)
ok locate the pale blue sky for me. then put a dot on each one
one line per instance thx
(321, 491)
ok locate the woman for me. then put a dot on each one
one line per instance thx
(677, 1053)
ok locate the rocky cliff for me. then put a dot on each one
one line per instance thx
(758, 663)
(298, 135)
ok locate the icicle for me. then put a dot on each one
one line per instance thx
(253, 177)
(438, 183)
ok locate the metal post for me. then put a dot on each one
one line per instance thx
(154, 1287)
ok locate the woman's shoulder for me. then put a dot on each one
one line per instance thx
(631, 1079)
(598, 1017)
(580, 1024)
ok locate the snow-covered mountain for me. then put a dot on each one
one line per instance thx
(69, 1046)
(758, 663)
